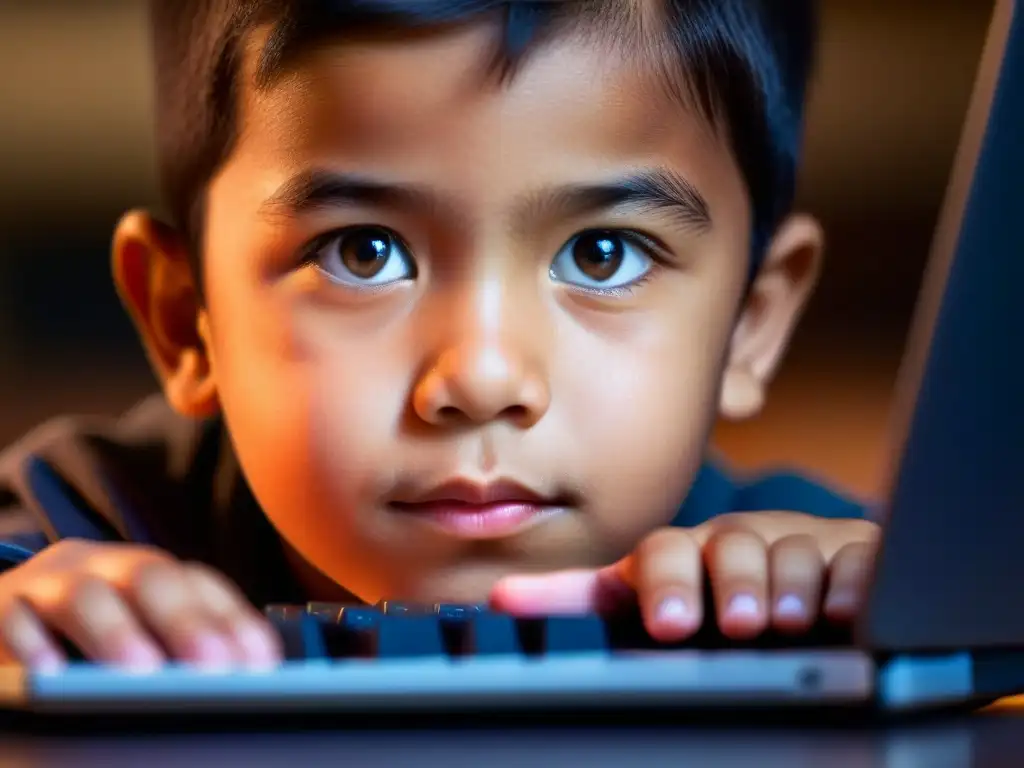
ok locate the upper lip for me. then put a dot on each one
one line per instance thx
(462, 491)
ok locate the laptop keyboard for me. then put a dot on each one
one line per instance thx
(401, 658)
(392, 630)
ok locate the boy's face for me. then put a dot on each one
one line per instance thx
(415, 277)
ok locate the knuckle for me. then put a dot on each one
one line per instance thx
(214, 590)
(797, 543)
(735, 520)
(797, 565)
(125, 564)
(853, 551)
(870, 531)
(137, 556)
(48, 590)
(151, 568)
(857, 531)
(88, 603)
(152, 584)
(84, 589)
(146, 552)
(733, 535)
(211, 583)
(203, 572)
(40, 588)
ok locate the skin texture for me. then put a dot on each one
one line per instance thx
(490, 356)
(340, 399)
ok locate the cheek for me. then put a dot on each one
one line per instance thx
(641, 407)
(311, 405)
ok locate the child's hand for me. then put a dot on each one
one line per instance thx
(767, 569)
(126, 605)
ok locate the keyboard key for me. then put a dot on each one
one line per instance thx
(359, 618)
(531, 635)
(406, 636)
(283, 612)
(395, 608)
(491, 634)
(575, 634)
(301, 637)
(453, 621)
(328, 613)
(455, 612)
(355, 634)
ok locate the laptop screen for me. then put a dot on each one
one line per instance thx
(953, 552)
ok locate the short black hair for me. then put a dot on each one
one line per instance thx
(744, 63)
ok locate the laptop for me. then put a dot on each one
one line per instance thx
(942, 624)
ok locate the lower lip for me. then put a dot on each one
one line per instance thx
(480, 521)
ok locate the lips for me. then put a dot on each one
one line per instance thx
(467, 509)
(476, 494)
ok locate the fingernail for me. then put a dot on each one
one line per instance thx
(843, 602)
(743, 606)
(211, 651)
(256, 646)
(674, 610)
(790, 607)
(46, 662)
(138, 657)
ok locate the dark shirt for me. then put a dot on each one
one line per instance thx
(154, 477)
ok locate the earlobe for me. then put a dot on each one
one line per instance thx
(742, 394)
(154, 279)
(773, 307)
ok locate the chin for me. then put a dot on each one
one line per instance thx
(464, 584)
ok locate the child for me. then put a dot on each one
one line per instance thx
(449, 300)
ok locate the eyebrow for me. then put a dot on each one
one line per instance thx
(658, 189)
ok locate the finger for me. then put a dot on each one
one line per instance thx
(602, 590)
(96, 619)
(24, 639)
(162, 596)
(668, 571)
(737, 562)
(797, 570)
(255, 642)
(848, 576)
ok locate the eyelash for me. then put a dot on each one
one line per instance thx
(309, 251)
(651, 246)
(620, 291)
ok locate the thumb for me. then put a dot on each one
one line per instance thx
(600, 590)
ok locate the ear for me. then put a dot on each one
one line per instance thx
(154, 279)
(770, 313)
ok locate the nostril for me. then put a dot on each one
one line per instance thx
(449, 413)
(515, 413)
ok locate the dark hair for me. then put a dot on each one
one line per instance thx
(744, 63)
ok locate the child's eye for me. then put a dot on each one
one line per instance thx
(602, 259)
(363, 256)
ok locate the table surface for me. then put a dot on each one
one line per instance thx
(987, 739)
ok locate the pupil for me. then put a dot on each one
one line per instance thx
(598, 254)
(365, 253)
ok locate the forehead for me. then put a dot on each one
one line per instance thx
(420, 103)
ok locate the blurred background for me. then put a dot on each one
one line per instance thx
(891, 92)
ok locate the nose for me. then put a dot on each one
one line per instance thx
(479, 386)
(489, 369)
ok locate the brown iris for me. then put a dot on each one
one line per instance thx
(598, 254)
(364, 252)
